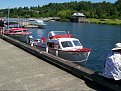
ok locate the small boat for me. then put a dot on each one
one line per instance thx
(63, 45)
(36, 22)
(21, 34)
(12, 24)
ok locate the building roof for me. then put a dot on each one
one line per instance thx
(78, 14)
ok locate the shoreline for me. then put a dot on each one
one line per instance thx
(99, 21)
(105, 21)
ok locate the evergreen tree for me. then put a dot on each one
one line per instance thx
(65, 10)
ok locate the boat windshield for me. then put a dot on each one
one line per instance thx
(20, 31)
(66, 44)
(24, 30)
(17, 31)
(76, 43)
(56, 33)
(59, 32)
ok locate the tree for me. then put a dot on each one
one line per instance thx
(65, 10)
(114, 13)
(65, 13)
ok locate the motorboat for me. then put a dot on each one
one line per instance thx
(63, 45)
(36, 22)
(12, 24)
(21, 34)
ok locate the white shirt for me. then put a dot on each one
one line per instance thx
(113, 66)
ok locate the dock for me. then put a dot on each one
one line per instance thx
(26, 68)
(23, 71)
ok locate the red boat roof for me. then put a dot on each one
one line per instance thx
(17, 29)
(20, 31)
(61, 36)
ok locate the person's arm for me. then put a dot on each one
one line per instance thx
(108, 66)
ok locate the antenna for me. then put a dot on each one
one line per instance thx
(8, 17)
(119, 34)
(68, 32)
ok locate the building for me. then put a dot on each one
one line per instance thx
(78, 17)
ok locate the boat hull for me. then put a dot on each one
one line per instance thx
(76, 57)
(22, 38)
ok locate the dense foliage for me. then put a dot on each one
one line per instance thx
(98, 10)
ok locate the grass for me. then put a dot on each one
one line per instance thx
(105, 21)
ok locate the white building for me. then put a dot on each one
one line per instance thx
(78, 17)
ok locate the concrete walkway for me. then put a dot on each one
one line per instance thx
(20, 70)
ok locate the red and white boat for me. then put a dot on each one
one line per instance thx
(62, 44)
(21, 34)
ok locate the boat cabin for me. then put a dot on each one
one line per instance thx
(64, 44)
(18, 31)
(58, 34)
(62, 41)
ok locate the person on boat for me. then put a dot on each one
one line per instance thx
(43, 39)
(31, 40)
(112, 69)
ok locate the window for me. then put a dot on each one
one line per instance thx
(51, 45)
(17, 31)
(76, 43)
(60, 32)
(66, 44)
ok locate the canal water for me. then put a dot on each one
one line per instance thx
(100, 38)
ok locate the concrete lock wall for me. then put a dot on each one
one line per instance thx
(72, 68)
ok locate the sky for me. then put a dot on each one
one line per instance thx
(27, 3)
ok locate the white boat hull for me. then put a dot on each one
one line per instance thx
(22, 38)
(76, 57)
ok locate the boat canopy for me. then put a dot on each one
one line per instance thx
(58, 34)
(67, 43)
(18, 29)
